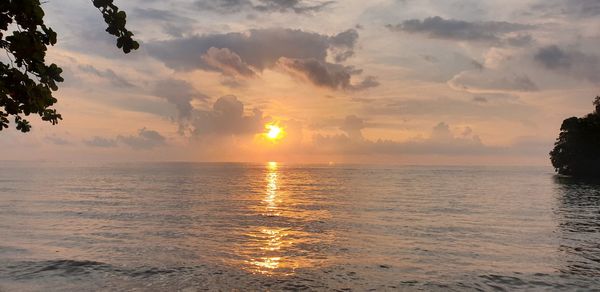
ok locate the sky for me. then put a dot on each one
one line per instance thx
(348, 81)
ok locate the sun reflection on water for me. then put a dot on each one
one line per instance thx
(273, 241)
(270, 198)
(276, 246)
(270, 240)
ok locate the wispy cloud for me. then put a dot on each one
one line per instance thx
(460, 30)
(265, 6)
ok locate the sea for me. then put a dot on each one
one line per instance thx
(279, 227)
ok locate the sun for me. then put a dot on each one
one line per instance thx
(273, 132)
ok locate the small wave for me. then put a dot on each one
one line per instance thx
(537, 281)
(69, 268)
(30, 270)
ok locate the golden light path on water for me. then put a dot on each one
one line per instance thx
(284, 235)
(272, 238)
(271, 191)
(270, 243)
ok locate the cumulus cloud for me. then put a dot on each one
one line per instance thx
(460, 30)
(267, 6)
(179, 93)
(343, 45)
(442, 66)
(259, 48)
(334, 76)
(245, 54)
(227, 118)
(144, 139)
(569, 62)
(227, 62)
(502, 70)
(353, 127)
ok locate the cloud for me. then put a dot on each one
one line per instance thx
(442, 141)
(108, 74)
(552, 57)
(233, 82)
(492, 80)
(480, 99)
(100, 142)
(227, 118)
(343, 44)
(296, 6)
(266, 6)
(430, 58)
(571, 8)
(172, 23)
(227, 62)
(259, 48)
(367, 82)
(353, 127)
(569, 62)
(156, 14)
(460, 30)
(245, 54)
(488, 106)
(57, 140)
(334, 76)
(345, 39)
(441, 66)
(588, 8)
(519, 40)
(179, 93)
(224, 6)
(144, 139)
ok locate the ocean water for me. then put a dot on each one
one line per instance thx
(245, 227)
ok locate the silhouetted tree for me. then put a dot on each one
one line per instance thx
(577, 149)
(26, 81)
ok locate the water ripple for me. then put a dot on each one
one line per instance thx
(286, 227)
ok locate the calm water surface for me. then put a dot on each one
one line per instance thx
(189, 227)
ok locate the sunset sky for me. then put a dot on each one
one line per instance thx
(347, 81)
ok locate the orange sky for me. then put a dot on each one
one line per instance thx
(384, 81)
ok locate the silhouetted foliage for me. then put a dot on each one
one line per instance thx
(26, 81)
(577, 149)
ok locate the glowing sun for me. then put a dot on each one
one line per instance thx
(273, 132)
